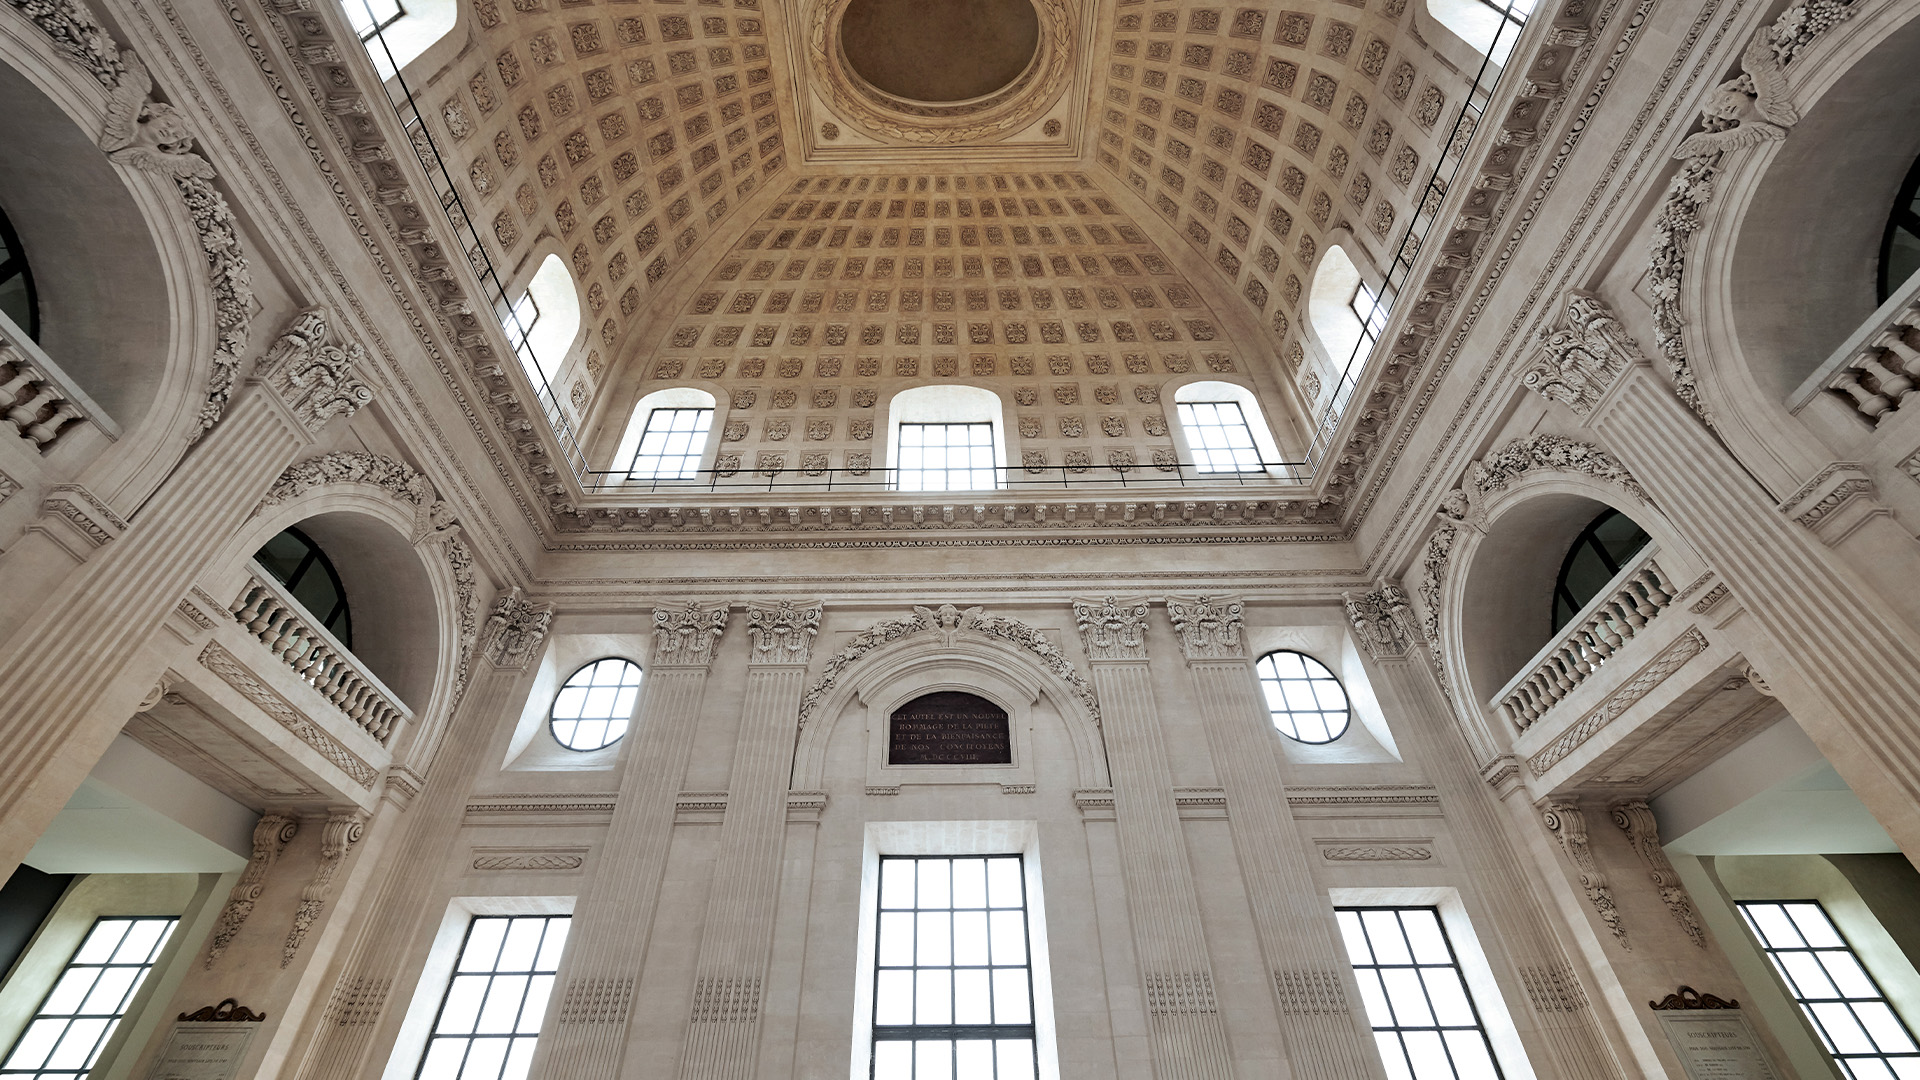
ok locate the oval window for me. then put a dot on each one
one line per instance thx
(1304, 699)
(591, 711)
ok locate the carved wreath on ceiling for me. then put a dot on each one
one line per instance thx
(1000, 113)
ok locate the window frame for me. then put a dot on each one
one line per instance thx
(1904, 217)
(897, 480)
(1197, 450)
(1791, 983)
(128, 996)
(685, 471)
(1311, 662)
(446, 984)
(1589, 538)
(1459, 969)
(15, 265)
(639, 686)
(342, 609)
(375, 26)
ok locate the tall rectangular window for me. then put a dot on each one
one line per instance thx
(1218, 434)
(67, 1032)
(946, 457)
(953, 982)
(1423, 1019)
(490, 1020)
(1860, 1029)
(671, 445)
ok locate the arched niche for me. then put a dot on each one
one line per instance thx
(1039, 706)
(1497, 606)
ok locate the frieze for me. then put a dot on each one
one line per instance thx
(223, 663)
(1670, 660)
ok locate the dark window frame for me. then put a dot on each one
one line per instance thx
(1589, 540)
(1806, 1003)
(1459, 971)
(339, 621)
(113, 1020)
(1904, 217)
(14, 265)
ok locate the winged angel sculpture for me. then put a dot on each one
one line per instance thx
(1747, 110)
(147, 134)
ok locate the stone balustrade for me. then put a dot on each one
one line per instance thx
(1612, 619)
(290, 633)
(39, 402)
(1879, 365)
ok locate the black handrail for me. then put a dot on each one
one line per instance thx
(1007, 479)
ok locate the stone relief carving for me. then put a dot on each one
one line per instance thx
(782, 633)
(270, 837)
(1577, 364)
(595, 1001)
(1311, 992)
(1553, 989)
(528, 860)
(76, 33)
(1569, 826)
(1376, 853)
(1635, 818)
(316, 380)
(1381, 620)
(146, 134)
(1112, 628)
(1494, 472)
(94, 519)
(1172, 993)
(1747, 110)
(222, 663)
(1669, 661)
(515, 630)
(1209, 626)
(685, 636)
(337, 837)
(951, 623)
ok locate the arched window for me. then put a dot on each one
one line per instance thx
(397, 32)
(1900, 250)
(1490, 26)
(667, 437)
(17, 299)
(542, 325)
(591, 711)
(1304, 699)
(1224, 428)
(1608, 543)
(298, 563)
(1342, 308)
(946, 438)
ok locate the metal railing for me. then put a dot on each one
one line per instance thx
(1031, 481)
(427, 149)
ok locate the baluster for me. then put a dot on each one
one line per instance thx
(1895, 342)
(1870, 404)
(1641, 599)
(285, 630)
(47, 430)
(24, 414)
(246, 608)
(1629, 613)
(1893, 384)
(1650, 580)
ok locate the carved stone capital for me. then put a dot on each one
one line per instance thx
(1209, 626)
(1836, 501)
(1577, 364)
(313, 376)
(515, 630)
(1383, 621)
(1568, 825)
(783, 632)
(1112, 628)
(73, 518)
(1635, 818)
(343, 830)
(685, 636)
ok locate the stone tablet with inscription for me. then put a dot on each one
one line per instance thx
(205, 1051)
(1717, 1044)
(949, 728)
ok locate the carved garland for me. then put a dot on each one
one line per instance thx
(951, 622)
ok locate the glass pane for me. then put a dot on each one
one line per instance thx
(933, 996)
(972, 997)
(1015, 1057)
(1009, 937)
(893, 997)
(969, 883)
(934, 879)
(933, 938)
(483, 944)
(933, 1060)
(896, 883)
(896, 938)
(1004, 887)
(893, 1061)
(970, 937)
(1012, 1003)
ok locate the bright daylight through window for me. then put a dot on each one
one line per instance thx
(490, 1020)
(1841, 1001)
(1218, 434)
(671, 445)
(1423, 1019)
(1304, 699)
(946, 457)
(78, 1016)
(953, 982)
(592, 709)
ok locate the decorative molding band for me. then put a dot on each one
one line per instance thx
(1569, 826)
(337, 837)
(1544, 452)
(595, 1001)
(1553, 989)
(1209, 626)
(94, 520)
(597, 804)
(270, 837)
(699, 807)
(1347, 849)
(1364, 795)
(950, 623)
(1016, 789)
(1112, 628)
(1191, 799)
(1670, 660)
(806, 805)
(192, 613)
(523, 859)
(1635, 818)
(882, 790)
(1708, 599)
(1177, 993)
(724, 999)
(223, 663)
(1311, 992)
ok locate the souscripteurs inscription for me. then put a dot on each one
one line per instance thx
(949, 728)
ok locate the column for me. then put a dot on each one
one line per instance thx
(65, 678)
(397, 922)
(1188, 1037)
(1559, 1023)
(724, 1026)
(1324, 1033)
(585, 1034)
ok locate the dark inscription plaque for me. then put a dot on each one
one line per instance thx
(949, 728)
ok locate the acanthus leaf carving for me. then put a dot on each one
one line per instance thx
(1382, 620)
(1577, 364)
(1568, 825)
(515, 630)
(270, 837)
(685, 636)
(782, 632)
(314, 378)
(1112, 628)
(1209, 626)
(337, 837)
(1635, 818)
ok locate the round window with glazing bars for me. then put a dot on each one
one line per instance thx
(591, 711)
(1304, 699)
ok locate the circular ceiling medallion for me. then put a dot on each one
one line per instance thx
(939, 51)
(940, 72)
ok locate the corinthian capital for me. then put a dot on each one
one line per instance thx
(782, 633)
(685, 636)
(1113, 629)
(515, 630)
(313, 376)
(1578, 363)
(1209, 626)
(1382, 620)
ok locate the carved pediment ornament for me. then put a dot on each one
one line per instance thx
(1689, 998)
(1112, 628)
(229, 1011)
(685, 636)
(316, 379)
(783, 632)
(951, 623)
(1209, 626)
(1466, 504)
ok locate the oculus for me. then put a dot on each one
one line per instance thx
(939, 50)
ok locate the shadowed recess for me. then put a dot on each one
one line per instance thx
(939, 50)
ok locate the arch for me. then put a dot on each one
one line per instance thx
(544, 323)
(1011, 652)
(1206, 390)
(946, 404)
(677, 397)
(1337, 326)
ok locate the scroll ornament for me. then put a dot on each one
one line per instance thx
(1209, 626)
(1112, 629)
